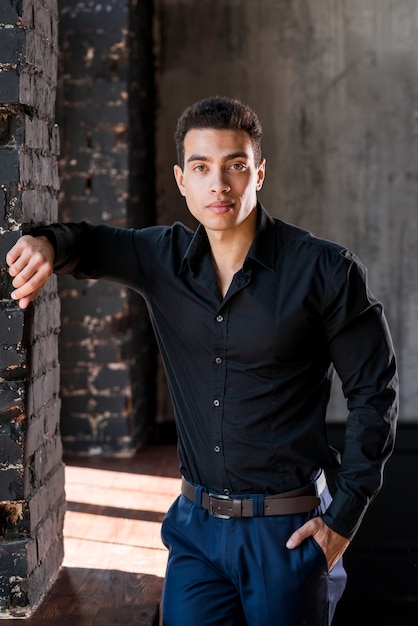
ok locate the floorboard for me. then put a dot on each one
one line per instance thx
(114, 559)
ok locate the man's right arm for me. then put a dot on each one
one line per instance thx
(125, 255)
(31, 263)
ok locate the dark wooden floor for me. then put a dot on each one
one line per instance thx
(114, 562)
(114, 559)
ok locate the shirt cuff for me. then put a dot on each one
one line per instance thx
(344, 515)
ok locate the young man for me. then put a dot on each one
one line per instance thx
(251, 316)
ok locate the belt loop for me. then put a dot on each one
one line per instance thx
(198, 495)
(258, 505)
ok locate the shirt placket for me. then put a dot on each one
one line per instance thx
(219, 367)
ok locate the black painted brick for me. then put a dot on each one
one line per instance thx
(105, 353)
(48, 497)
(35, 436)
(10, 451)
(12, 48)
(88, 404)
(7, 240)
(11, 326)
(114, 428)
(13, 559)
(71, 330)
(111, 404)
(41, 576)
(11, 483)
(8, 15)
(52, 416)
(9, 159)
(45, 459)
(109, 378)
(76, 428)
(46, 532)
(9, 85)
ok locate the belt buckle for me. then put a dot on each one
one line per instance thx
(213, 497)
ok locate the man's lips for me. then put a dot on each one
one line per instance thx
(220, 206)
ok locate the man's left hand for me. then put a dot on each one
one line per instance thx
(332, 544)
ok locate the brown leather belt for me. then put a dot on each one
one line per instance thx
(296, 501)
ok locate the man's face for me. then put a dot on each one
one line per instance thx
(220, 179)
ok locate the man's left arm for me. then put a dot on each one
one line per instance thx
(361, 350)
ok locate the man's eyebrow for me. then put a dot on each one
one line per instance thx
(198, 157)
(227, 157)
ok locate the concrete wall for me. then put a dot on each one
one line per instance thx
(336, 87)
(31, 470)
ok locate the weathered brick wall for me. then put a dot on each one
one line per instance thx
(106, 119)
(31, 469)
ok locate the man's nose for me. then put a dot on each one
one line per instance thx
(219, 184)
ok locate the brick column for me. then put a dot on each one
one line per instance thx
(32, 499)
(106, 111)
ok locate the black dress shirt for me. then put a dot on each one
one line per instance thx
(250, 373)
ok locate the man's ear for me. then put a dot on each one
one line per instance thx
(261, 174)
(178, 175)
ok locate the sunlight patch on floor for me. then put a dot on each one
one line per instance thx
(113, 519)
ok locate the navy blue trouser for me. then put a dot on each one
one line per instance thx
(234, 572)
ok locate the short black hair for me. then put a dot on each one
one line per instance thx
(219, 112)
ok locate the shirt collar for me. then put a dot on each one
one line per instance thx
(195, 250)
(262, 250)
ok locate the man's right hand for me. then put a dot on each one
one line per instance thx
(31, 263)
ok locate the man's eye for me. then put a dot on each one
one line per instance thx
(237, 166)
(199, 168)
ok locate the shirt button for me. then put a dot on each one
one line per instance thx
(219, 318)
(218, 360)
(217, 448)
(216, 402)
